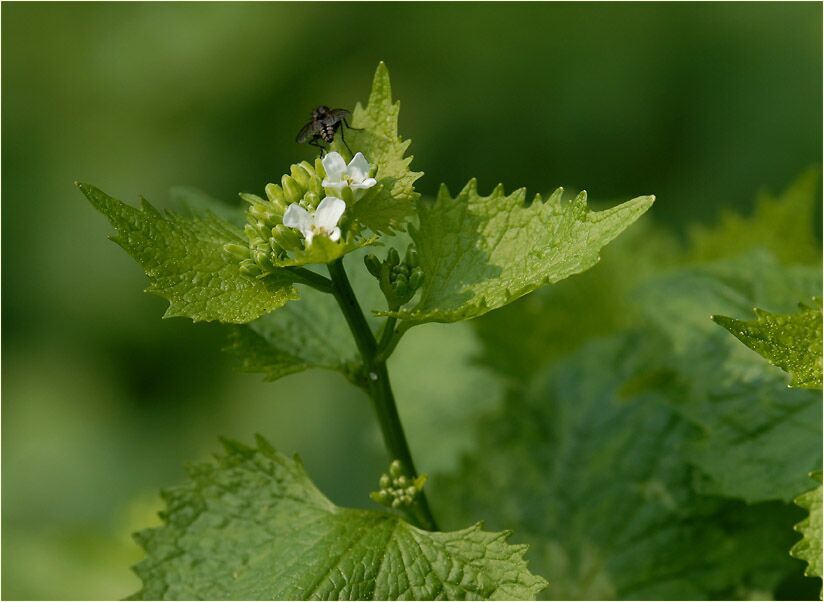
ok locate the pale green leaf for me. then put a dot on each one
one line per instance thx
(783, 225)
(186, 264)
(757, 438)
(790, 341)
(252, 526)
(479, 253)
(810, 546)
(309, 334)
(388, 205)
(520, 338)
(591, 473)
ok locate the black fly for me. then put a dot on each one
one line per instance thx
(325, 123)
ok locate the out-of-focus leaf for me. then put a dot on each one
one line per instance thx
(757, 439)
(809, 548)
(591, 473)
(783, 225)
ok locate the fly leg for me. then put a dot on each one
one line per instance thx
(342, 139)
(316, 143)
(346, 123)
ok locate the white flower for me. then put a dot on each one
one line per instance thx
(323, 222)
(340, 175)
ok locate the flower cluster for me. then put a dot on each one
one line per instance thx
(399, 280)
(397, 489)
(309, 203)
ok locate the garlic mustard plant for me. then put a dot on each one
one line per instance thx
(463, 256)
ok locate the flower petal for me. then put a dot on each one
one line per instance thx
(367, 183)
(334, 185)
(297, 217)
(334, 165)
(358, 168)
(329, 213)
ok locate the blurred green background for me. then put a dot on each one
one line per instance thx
(103, 402)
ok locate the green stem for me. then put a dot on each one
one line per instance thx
(387, 336)
(312, 279)
(379, 388)
(390, 339)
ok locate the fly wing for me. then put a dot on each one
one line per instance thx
(341, 114)
(306, 133)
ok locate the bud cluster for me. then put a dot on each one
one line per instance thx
(399, 280)
(269, 240)
(396, 489)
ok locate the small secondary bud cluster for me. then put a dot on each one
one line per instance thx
(399, 280)
(269, 239)
(396, 489)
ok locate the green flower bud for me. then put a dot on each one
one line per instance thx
(287, 238)
(396, 503)
(252, 199)
(411, 258)
(275, 194)
(260, 257)
(385, 481)
(315, 187)
(291, 191)
(416, 279)
(300, 175)
(392, 257)
(373, 264)
(276, 248)
(411, 491)
(401, 290)
(381, 497)
(239, 251)
(310, 198)
(403, 482)
(396, 469)
(249, 268)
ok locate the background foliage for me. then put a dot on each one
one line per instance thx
(103, 402)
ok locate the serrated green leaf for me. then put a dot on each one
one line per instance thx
(186, 264)
(790, 341)
(592, 475)
(520, 338)
(193, 202)
(757, 437)
(252, 526)
(810, 546)
(392, 201)
(479, 253)
(782, 225)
